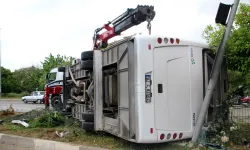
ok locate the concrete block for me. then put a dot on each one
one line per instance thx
(4, 147)
(90, 148)
(26, 142)
(9, 140)
(53, 145)
(44, 145)
(15, 147)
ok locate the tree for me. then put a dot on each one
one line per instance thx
(51, 62)
(238, 45)
(7, 79)
(27, 79)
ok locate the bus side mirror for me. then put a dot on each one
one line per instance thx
(61, 69)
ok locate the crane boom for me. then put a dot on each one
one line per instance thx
(128, 19)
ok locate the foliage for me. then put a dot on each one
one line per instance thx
(225, 131)
(27, 79)
(48, 119)
(238, 44)
(8, 83)
(237, 79)
(51, 62)
(15, 95)
(24, 80)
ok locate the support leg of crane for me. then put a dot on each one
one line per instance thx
(149, 27)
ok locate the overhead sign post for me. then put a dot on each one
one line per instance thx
(221, 18)
(0, 65)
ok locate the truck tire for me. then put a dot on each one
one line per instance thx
(87, 65)
(88, 126)
(61, 69)
(88, 117)
(87, 55)
(56, 102)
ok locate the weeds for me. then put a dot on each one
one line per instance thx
(45, 123)
(48, 119)
(14, 95)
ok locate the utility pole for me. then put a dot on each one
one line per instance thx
(0, 64)
(223, 9)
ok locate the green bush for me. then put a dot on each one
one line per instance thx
(48, 119)
(14, 95)
(24, 94)
(11, 95)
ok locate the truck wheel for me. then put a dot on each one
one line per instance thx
(87, 65)
(87, 55)
(88, 117)
(88, 126)
(56, 102)
(61, 69)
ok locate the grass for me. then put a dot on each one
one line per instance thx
(10, 98)
(13, 96)
(77, 135)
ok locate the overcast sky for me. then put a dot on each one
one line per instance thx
(31, 29)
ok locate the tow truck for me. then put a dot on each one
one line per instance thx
(53, 87)
(143, 88)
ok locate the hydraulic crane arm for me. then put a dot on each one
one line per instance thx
(130, 18)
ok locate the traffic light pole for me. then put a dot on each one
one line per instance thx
(215, 73)
(0, 65)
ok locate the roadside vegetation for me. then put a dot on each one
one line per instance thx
(224, 131)
(237, 48)
(51, 125)
(44, 124)
(14, 95)
(21, 82)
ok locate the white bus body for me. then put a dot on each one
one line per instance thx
(156, 91)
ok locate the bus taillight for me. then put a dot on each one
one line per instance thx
(180, 135)
(162, 136)
(172, 40)
(174, 136)
(159, 40)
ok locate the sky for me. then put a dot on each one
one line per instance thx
(32, 29)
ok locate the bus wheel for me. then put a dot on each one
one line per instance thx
(87, 55)
(87, 65)
(88, 126)
(88, 117)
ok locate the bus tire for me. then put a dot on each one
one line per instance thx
(87, 65)
(88, 126)
(88, 117)
(87, 55)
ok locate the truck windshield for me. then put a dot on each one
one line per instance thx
(52, 77)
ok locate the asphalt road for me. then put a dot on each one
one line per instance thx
(19, 106)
